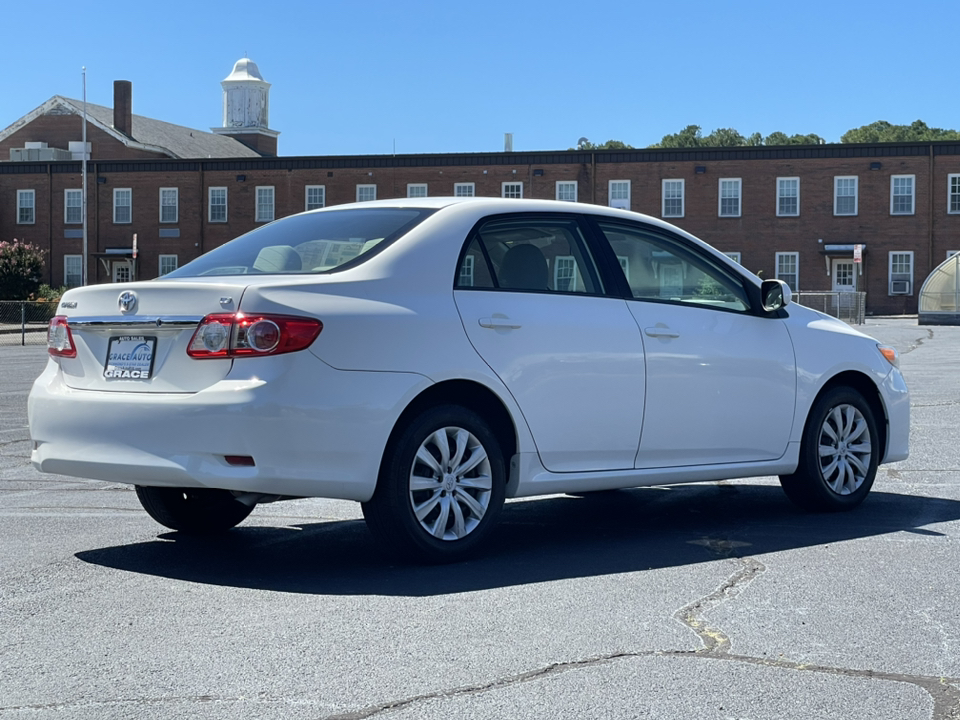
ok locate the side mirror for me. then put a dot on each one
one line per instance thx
(775, 294)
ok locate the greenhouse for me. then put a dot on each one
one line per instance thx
(940, 294)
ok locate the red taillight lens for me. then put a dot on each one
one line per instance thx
(60, 339)
(236, 335)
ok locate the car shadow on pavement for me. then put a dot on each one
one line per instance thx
(538, 540)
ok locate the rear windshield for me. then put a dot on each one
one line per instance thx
(308, 243)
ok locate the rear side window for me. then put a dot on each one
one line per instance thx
(311, 243)
(532, 254)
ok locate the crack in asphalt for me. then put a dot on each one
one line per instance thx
(918, 342)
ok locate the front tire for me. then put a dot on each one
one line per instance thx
(193, 510)
(441, 487)
(838, 455)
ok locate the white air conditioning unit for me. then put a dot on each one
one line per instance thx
(899, 287)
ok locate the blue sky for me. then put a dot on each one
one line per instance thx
(371, 76)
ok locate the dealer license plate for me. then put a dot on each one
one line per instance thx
(130, 357)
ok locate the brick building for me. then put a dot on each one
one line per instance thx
(791, 212)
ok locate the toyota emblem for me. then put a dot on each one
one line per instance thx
(128, 301)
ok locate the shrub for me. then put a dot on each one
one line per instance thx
(21, 267)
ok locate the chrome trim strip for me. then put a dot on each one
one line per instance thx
(139, 321)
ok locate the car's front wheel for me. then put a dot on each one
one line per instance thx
(193, 510)
(441, 487)
(838, 455)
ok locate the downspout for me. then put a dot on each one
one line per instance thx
(593, 178)
(50, 224)
(930, 261)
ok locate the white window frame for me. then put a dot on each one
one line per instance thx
(836, 195)
(211, 205)
(913, 195)
(166, 258)
(564, 188)
(465, 278)
(795, 256)
(173, 193)
(570, 262)
(467, 189)
(953, 194)
(511, 189)
(320, 197)
(736, 183)
(77, 195)
(784, 183)
(894, 258)
(77, 273)
(736, 256)
(266, 211)
(951, 253)
(118, 194)
(26, 209)
(624, 265)
(122, 268)
(616, 198)
(664, 197)
(366, 193)
(415, 190)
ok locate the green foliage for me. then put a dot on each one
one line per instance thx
(882, 131)
(21, 265)
(608, 145)
(45, 293)
(692, 137)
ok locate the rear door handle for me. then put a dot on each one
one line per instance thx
(661, 332)
(499, 323)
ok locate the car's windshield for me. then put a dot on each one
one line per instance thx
(308, 243)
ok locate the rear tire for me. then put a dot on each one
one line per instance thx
(193, 510)
(441, 487)
(838, 455)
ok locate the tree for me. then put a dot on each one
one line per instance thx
(21, 267)
(882, 131)
(608, 145)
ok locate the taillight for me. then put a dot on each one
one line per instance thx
(60, 339)
(238, 335)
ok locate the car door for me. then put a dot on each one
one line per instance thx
(721, 377)
(533, 306)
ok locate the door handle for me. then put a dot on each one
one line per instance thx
(661, 332)
(498, 323)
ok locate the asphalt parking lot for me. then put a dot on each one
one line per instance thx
(713, 600)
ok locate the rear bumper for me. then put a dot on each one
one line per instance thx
(313, 431)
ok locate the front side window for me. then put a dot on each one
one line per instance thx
(729, 197)
(122, 205)
(73, 206)
(168, 263)
(73, 270)
(529, 254)
(415, 190)
(217, 205)
(26, 207)
(788, 197)
(511, 190)
(901, 272)
(464, 189)
(265, 203)
(901, 194)
(169, 205)
(845, 195)
(619, 191)
(316, 197)
(567, 190)
(366, 193)
(659, 268)
(672, 198)
(788, 269)
(953, 194)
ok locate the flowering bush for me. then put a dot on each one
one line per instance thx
(21, 265)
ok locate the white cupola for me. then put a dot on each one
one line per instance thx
(246, 108)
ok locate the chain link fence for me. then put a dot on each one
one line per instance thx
(847, 306)
(25, 323)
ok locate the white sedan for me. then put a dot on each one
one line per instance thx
(429, 358)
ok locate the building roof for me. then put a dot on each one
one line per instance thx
(175, 141)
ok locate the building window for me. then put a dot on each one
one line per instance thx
(511, 190)
(265, 203)
(901, 194)
(122, 205)
(121, 272)
(168, 263)
(672, 198)
(953, 194)
(567, 190)
(788, 264)
(565, 273)
(464, 189)
(416, 190)
(73, 270)
(619, 191)
(788, 197)
(316, 197)
(169, 205)
(729, 197)
(366, 193)
(26, 207)
(73, 206)
(845, 195)
(217, 205)
(466, 272)
(735, 256)
(901, 273)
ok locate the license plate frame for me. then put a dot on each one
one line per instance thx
(130, 357)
